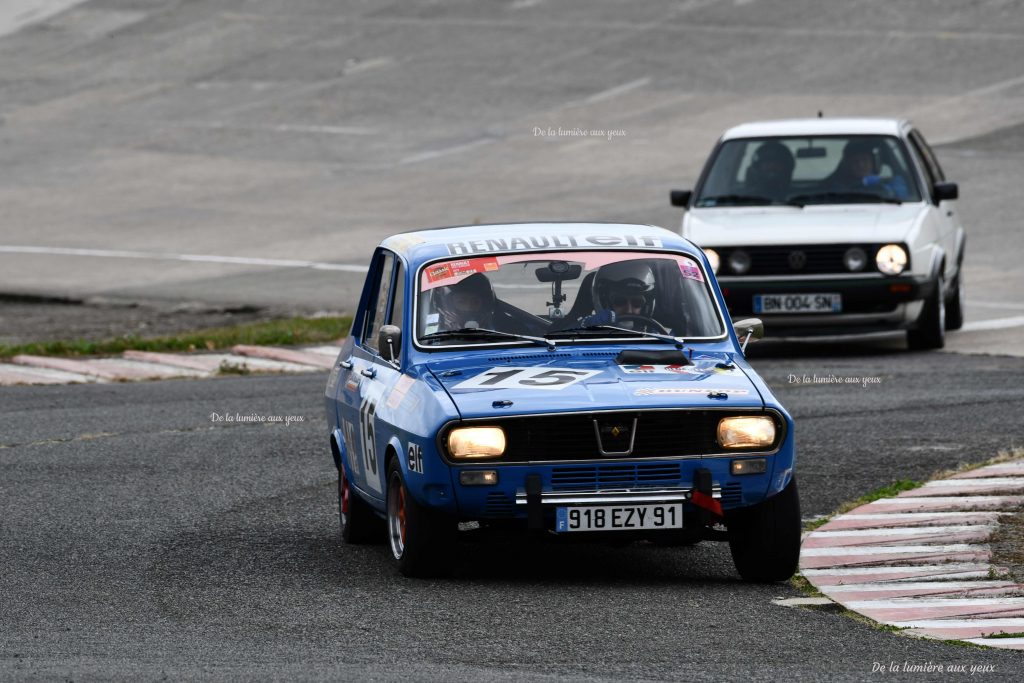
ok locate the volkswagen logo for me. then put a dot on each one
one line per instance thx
(797, 260)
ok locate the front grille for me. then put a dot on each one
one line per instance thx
(818, 259)
(617, 475)
(658, 434)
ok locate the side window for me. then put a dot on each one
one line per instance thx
(399, 304)
(929, 156)
(378, 305)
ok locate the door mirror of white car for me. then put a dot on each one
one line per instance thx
(748, 329)
(680, 197)
(945, 191)
(389, 342)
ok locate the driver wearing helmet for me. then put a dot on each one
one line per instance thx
(468, 303)
(770, 171)
(622, 292)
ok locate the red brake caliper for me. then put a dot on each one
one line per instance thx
(344, 494)
(401, 513)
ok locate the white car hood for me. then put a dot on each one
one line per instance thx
(766, 225)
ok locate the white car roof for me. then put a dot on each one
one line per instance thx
(815, 126)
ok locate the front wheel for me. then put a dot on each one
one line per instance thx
(931, 326)
(765, 538)
(422, 540)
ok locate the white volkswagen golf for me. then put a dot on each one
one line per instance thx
(831, 226)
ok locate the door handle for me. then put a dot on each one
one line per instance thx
(345, 364)
(368, 372)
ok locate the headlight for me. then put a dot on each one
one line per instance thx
(739, 261)
(713, 259)
(746, 432)
(891, 259)
(855, 259)
(476, 443)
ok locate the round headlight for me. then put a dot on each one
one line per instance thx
(891, 259)
(739, 262)
(855, 259)
(713, 259)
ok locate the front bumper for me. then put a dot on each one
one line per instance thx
(870, 303)
(614, 483)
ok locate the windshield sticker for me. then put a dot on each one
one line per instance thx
(549, 242)
(459, 269)
(659, 370)
(664, 391)
(542, 377)
(690, 271)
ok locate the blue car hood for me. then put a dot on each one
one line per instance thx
(569, 382)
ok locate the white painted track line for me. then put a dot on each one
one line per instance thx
(165, 256)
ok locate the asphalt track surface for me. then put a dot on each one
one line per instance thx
(141, 539)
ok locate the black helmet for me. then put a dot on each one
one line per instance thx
(624, 279)
(469, 300)
(775, 153)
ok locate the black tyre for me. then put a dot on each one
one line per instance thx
(931, 326)
(765, 538)
(422, 541)
(955, 305)
(359, 524)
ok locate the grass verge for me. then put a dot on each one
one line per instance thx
(285, 332)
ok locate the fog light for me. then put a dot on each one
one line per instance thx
(749, 466)
(855, 259)
(478, 477)
(739, 262)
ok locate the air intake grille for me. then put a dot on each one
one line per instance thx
(625, 475)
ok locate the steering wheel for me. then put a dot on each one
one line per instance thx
(648, 323)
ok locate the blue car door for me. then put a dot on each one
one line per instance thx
(371, 377)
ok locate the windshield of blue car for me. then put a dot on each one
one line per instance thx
(803, 171)
(568, 296)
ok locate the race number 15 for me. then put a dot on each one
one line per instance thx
(526, 378)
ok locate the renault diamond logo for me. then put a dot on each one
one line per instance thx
(615, 437)
(797, 260)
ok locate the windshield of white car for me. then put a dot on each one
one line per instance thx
(804, 170)
(529, 296)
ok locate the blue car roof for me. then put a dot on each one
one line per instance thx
(472, 240)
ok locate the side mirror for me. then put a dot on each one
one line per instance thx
(945, 191)
(389, 343)
(680, 197)
(749, 329)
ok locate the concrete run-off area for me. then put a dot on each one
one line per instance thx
(145, 365)
(921, 561)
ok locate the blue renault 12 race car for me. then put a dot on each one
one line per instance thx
(571, 378)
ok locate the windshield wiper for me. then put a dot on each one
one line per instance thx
(863, 197)
(734, 199)
(678, 341)
(750, 199)
(469, 332)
